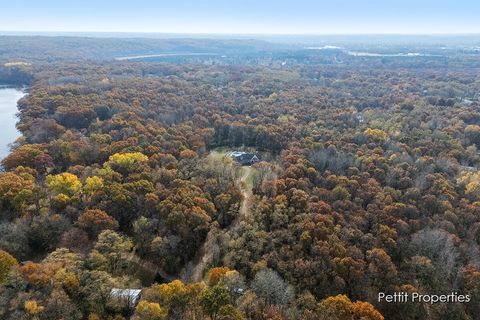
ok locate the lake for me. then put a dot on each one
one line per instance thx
(373, 54)
(165, 55)
(8, 119)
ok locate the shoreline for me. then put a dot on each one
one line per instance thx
(8, 117)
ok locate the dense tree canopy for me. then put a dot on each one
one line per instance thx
(368, 183)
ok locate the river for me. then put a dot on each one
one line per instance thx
(8, 118)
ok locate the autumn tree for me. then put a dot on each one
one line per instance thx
(176, 298)
(149, 311)
(215, 275)
(94, 221)
(341, 308)
(111, 251)
(6, 263)
(126, 162)
(16, 189)
(64, 183)
(213, 300)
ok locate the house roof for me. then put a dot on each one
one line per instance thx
(235, 154)
(246, 156)
(243, 157)
(131, 295)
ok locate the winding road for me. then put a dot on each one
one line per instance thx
(194, 270)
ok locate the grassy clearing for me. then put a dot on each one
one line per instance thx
(217, 155)
(248, 172)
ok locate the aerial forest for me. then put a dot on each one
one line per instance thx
(368, 182)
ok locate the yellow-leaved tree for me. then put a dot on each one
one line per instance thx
(33, 307)
(126, 161)
(64, 183)
(471, 182)
(376, 134)
(92, 185)
(149, 311)
(7, 261)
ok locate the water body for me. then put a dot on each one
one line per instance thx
(409, 54)
(373, 54)
(163, 55)
(326, 47)
(8, 118)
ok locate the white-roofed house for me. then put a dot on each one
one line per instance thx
(126, 297)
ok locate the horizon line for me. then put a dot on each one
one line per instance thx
(4, 32)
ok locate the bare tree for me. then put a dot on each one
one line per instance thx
(271, 287)
(438, 246)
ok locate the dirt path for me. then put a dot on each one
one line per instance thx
(152, 269)
(194, 270)
(247, 195)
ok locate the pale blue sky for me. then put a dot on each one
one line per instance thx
(243, 16)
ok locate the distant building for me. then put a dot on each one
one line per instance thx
(243, 158)
(239, 291)
(126, 297)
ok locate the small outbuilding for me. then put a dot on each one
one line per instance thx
(126, 297)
